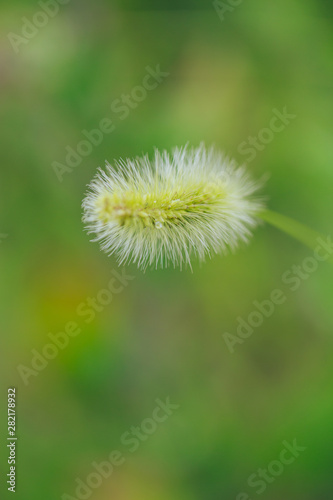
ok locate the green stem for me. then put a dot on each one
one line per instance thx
(305, 235)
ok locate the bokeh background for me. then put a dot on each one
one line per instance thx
(163, 335)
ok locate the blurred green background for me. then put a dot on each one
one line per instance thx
(162, 336)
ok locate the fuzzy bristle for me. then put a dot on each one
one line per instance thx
(192, 202)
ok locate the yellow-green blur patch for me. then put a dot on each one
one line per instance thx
(157, 208)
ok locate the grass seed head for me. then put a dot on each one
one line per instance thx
(194, 202)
